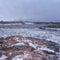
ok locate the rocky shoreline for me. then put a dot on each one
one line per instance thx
(23, 48)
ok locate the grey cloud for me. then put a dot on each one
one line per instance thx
(41, 10)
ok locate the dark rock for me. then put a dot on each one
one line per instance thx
(53, 45)
(18, 47)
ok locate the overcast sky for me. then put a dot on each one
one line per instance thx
(41, 10)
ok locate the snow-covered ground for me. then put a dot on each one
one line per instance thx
(35, 32)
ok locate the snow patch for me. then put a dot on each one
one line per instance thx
(25, 55)
(10, 53)
(33, 45)
(46, 49)
(20, 57)
(29, 23)
(17, 44)
(3, 57)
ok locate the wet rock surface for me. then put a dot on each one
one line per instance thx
(21, 48)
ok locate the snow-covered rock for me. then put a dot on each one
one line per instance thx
(26, 49)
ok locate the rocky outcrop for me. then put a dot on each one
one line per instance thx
(21, 48)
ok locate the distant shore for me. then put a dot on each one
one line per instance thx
(29, 23)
